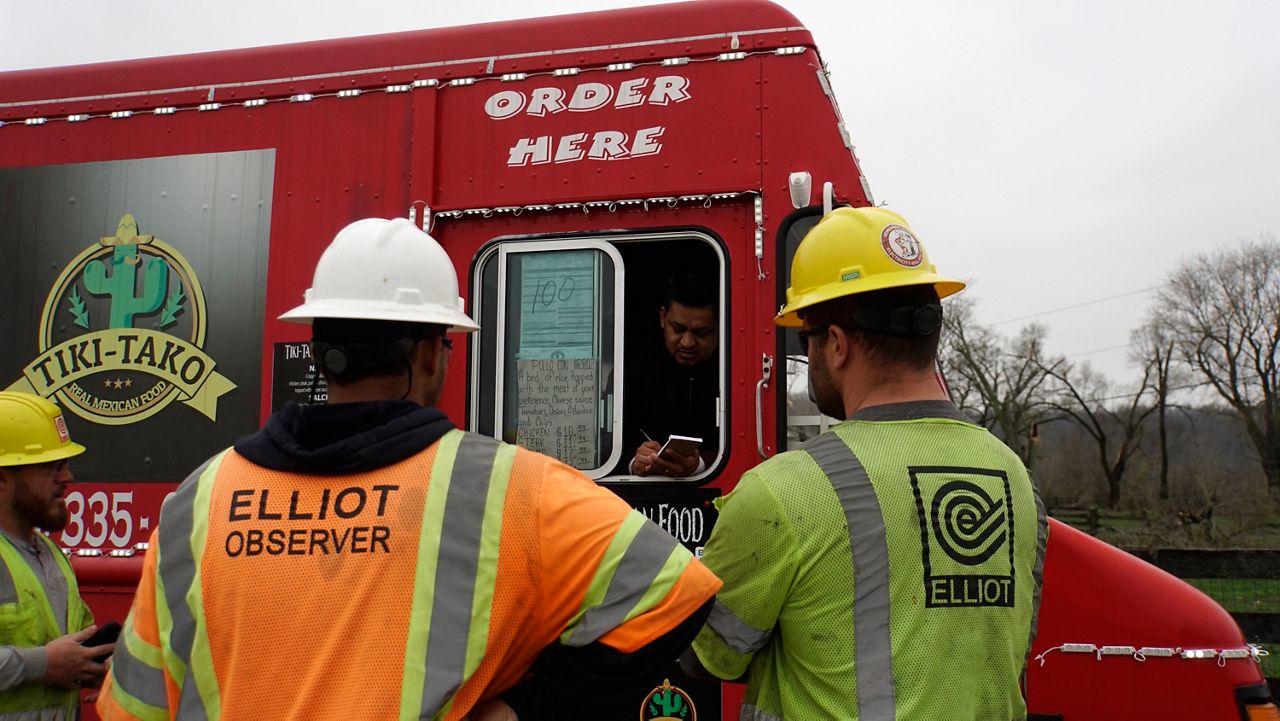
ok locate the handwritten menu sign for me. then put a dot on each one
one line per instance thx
(558, 399)
(558, 304)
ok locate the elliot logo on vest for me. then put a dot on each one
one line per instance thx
(966, 532)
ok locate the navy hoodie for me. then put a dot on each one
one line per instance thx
(343, 438)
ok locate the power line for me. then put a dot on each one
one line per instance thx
(1078, 305)
(1171, 389)
(1100, 350)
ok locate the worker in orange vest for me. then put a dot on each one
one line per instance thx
(365, 559)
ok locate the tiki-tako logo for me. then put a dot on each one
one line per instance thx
(668, 703)
(122, 334)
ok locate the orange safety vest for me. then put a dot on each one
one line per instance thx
(414, 591)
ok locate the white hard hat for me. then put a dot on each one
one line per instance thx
(380, 269)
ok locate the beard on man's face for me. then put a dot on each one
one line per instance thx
(823, 390)
(48, 512)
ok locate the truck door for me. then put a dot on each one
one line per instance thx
(799, 418)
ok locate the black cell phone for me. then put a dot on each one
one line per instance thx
(106, 633)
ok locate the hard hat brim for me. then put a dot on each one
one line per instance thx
(67, 450)
(457, 321)
(788, 316)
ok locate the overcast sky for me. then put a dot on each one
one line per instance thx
(1053, 154)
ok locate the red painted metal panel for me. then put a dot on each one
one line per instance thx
(650, 131)
(800, 130)
(1097, 594)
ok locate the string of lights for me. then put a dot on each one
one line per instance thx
(1142, 654)
(211, 104)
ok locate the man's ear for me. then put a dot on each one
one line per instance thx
(426, 355)
(839, 346)
(662, 316)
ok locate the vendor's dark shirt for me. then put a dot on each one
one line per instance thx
(665, 398)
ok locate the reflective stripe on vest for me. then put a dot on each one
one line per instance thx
(751, 713)
(737, 634)
(179, 602)
(137, 673)
(640, 563)
(873, 658)
(33, 624)
(456, 567)
(638, 570)
(8, 584)
(1037, 571)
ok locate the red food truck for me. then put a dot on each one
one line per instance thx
(156, 216)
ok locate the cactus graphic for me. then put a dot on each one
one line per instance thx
(78, 310)
(669, 702)
(121, 282)
(172, 308)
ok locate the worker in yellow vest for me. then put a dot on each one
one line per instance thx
(891, 567)
(365, 559)
(43, 620)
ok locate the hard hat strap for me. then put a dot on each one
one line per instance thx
(907, 320)
(347, 360)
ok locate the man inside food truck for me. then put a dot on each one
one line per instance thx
(673, 389)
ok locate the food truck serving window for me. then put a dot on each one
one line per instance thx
(565, 344)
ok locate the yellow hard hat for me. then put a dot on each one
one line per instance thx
(856, 250)
(32, 431)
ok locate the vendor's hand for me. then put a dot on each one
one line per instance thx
(495, 710)
(71, 665)
(647, 462)
(682, 465)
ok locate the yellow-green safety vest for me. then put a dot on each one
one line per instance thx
(27, 620)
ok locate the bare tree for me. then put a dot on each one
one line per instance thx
(998, 380)
(1153, 346)
(1114, 424)
(1223, 309)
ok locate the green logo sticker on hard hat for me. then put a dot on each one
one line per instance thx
(966, 529)
(668, 703)
(122, 334)
(901, 246)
